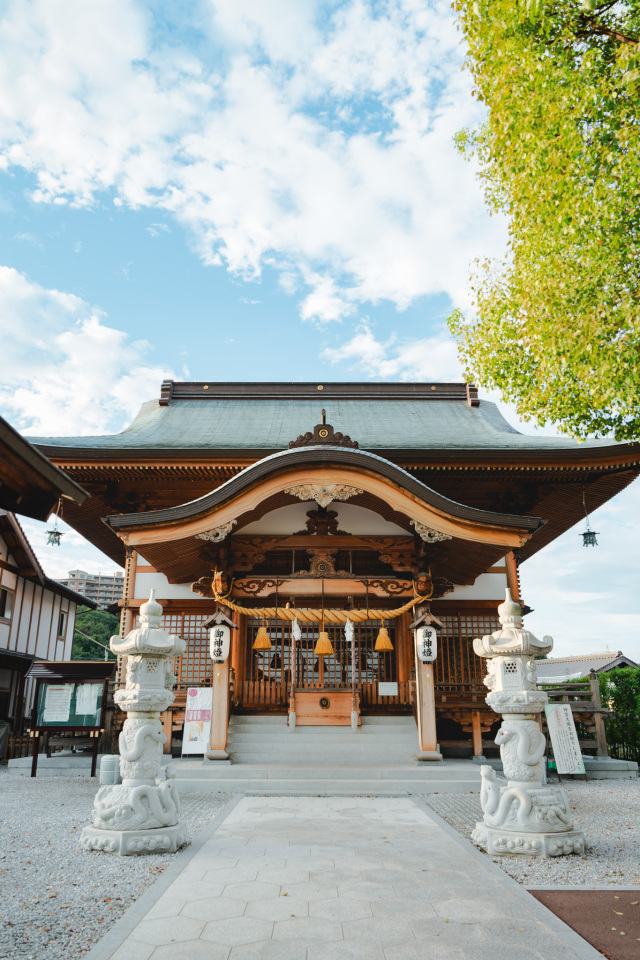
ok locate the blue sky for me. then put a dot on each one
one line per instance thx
(242, 189)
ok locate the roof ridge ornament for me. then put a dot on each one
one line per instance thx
(323, 434)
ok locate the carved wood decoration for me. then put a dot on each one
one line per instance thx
(428, 534)
(322, 522)
(217, 534)
(323, 494)
(324, 434)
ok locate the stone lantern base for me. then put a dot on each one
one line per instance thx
(501, 842)
(134, 842)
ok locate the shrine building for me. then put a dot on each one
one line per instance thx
(384, 504)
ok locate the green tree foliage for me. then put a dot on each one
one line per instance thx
(620, 691)
(556, 326)
(97, 624)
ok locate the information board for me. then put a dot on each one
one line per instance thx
(197, 721)
(69, 705)
(564, 738)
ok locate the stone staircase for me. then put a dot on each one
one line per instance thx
(266, 757)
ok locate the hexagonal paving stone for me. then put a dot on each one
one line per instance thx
(217, 909)
(237, 930)
(192, 950)
(471, 911)
(307, 930)
(403, 910)
(342, 950)
(133, 950)
(251, 890)
(269, 950)
(195, 890)
(340, 909)
(376, 930)
(366, 891)
(169, 930)
(277, 908)
(310, 891)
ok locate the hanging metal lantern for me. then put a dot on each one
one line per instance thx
(54, 536)
(588, 535)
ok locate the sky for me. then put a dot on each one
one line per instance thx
(251, 190)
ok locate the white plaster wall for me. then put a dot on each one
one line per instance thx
(488, 586)
(351, 519)
(164, 590)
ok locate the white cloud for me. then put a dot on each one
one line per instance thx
(64, 370)
(315, 138)
(428, 358)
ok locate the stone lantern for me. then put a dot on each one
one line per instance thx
(140, 815)
(526, 815)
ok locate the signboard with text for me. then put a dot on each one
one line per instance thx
(197, 721)
(564, 738)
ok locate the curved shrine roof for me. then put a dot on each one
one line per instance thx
(269, 424)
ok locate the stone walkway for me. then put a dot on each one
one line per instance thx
(310, 878)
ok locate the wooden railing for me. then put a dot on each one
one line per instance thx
(370, 696)
(266, 694)
(16, 747)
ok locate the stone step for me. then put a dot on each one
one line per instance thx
(328, 757)
(335, 779)
(328, 788)
(242, 720)
(328, 733)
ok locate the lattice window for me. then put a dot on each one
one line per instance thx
(193, 669)
(275, 665)
(456, 663)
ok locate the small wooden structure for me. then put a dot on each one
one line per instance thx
(68, 722)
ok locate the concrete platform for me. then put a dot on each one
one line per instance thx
(330, 779)
(59, 765)
(336, 879)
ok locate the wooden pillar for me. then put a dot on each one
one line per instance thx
(512, 576)
(426, 712)
(127, 615)
(601, 734)
(219, 712)
(477, 734)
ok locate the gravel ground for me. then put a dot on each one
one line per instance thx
(608, 813)
(56, 901)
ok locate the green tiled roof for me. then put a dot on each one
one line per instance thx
(269, 424)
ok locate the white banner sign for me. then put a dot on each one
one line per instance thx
(564, 738)
(197, 720)
(219, 642)
(426, 644)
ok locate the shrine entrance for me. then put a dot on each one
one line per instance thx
(271, 676)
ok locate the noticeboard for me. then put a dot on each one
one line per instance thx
(69, 705)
